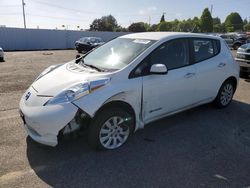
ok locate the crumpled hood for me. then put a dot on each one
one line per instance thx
(64, 77)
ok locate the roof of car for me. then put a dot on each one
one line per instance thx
(162, 35)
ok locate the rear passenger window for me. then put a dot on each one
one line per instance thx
(205, 49)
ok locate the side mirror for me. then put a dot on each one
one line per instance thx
(158, 69)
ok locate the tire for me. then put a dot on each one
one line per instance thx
(236, 46)
(225, 94)
(110, 129)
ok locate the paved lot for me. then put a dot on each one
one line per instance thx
(203, 147)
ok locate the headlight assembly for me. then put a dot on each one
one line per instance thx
(77, 91)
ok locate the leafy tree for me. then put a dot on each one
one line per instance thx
(189, 25)
(162, 18)
(185, 26)
(217, 27)
(216, 21)
(234, 22)
(165, 26)
(147, 26)
(121, 29)
(153, 27)
(206, 21)
(105, 23)
(137, 27)
(196, 25)
(247, 27)
(245, 21)
(175, 25)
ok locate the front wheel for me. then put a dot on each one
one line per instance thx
(225, 94)
(110, 129)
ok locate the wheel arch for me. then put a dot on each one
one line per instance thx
(233, 80)
(118, 104)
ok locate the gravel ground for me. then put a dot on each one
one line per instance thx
(202, 147)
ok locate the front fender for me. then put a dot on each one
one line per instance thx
(128, 92)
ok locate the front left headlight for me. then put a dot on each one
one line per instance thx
(77, 91)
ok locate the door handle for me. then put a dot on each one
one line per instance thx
(189, 75)
(222, 65)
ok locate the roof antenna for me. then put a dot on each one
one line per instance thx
(193, 28)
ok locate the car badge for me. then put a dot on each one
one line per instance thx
(27, 96)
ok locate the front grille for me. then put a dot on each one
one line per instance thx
(243, 56)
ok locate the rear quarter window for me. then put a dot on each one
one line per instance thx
(205, 48)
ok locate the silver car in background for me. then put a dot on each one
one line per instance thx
(243, 58)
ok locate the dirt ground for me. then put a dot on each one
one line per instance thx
(202, 147)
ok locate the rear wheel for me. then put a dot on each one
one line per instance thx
(225, 94)
(110, 129)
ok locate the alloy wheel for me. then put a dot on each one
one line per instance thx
(114, 132)
(226, 94)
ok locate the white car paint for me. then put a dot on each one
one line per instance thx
(151, 97)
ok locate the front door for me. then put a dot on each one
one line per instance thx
(163, 94)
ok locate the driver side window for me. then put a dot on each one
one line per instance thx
(173, 54)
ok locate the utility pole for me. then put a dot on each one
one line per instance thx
(149, 20)
(211, 10)
(24, 19)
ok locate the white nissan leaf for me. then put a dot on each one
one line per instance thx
(126, 83)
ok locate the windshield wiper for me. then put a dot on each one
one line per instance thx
(94, 67)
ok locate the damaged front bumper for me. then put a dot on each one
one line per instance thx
(43, 123)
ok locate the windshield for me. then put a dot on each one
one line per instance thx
(117, 53)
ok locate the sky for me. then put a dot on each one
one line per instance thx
(51, 14)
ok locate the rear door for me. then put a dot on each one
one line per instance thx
(210, 68)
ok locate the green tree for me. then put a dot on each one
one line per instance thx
(234, 22)
(206, 21)
(105, 23)
(216, 21)
(245, 21)
(217, 27)
(196, 25)
(137, 27)
(247, 27)
(162, 18)
(175, 25)
(185, 26)
(147, 26)
(153, 27)
(164, 26)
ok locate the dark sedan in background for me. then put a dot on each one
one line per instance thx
(234, 41)
(243, 58)
(86, 44)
